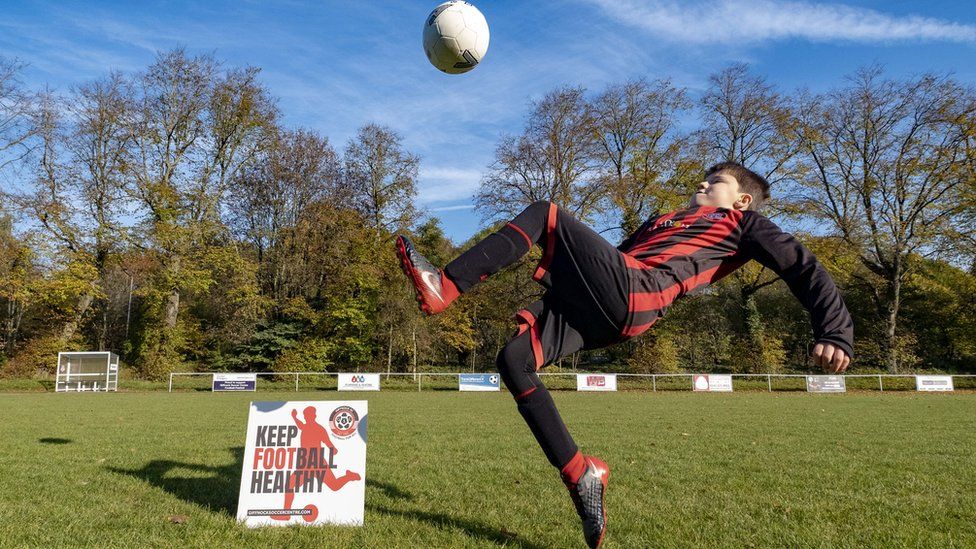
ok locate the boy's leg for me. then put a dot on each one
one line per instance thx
(577, 263)
(540, 339)
(437, 288)
(544, 336)
(502, 248)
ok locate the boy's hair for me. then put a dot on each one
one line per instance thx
(749, 181)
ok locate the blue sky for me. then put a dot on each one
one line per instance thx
(336, 65)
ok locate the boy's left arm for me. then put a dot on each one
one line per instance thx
(833, 328)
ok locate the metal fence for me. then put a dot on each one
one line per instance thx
(654, 382)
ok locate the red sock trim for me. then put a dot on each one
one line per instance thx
(521, 232)
(572, 471)
(449, 290)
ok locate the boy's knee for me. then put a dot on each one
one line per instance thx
(540, 207)
(514, 366)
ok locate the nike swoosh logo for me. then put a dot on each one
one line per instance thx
(432, 283)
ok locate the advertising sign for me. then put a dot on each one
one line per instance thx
(933, 383)
(596, 382)
(234, 382)
(304, 463)
(359, 382)
(826, 384)
(478, 382)
(715, 383)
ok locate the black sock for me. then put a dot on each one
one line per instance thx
(500, 249)
(539, 412)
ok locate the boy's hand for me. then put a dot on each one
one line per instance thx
(831, 358)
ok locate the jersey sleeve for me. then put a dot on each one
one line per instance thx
(765, 242)
(629, 242)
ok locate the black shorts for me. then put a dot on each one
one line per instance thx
(586, 303)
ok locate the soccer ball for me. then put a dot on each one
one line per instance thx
(344, 420)
(455, 37)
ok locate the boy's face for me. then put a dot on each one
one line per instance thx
(721, 190)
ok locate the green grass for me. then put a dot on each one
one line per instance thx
(450, 469)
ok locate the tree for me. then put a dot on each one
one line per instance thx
(16, 107)
(646, 172)
(555, 158)
(883, 163)
(194, 130)
(274, 196)
(16, 274)
(746, 121)
(74, 193)
(382, 177)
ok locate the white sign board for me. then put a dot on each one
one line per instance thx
(359, 382)
(304, 463)
(478, 382)
(826, 384)
(234, 382)
(596, 382)
(933, 383)
(715, 383)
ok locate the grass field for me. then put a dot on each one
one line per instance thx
(450, 469)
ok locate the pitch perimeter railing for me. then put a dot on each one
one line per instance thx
(669, 380)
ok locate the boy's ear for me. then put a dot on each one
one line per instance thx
(743, 203)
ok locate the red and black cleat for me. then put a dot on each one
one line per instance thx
(434, 293)
(588, 495)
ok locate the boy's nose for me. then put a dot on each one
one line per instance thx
(703, 185)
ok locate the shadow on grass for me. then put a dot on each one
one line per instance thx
(388, 489)
(472, 528)
(217, 488)
(216, 491)
(52, 440)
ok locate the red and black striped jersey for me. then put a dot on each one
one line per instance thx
(673, 254)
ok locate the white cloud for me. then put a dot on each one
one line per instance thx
(453, 208)
(443, 183)
(737, 21)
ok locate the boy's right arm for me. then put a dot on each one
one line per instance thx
(808, 280)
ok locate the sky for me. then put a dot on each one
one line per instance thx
(336, 65)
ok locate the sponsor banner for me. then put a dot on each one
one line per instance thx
(478, 382)
(596, 382)
(304, 463)
(234, 382)
(933, 383)
(359, 382)
(826, 384)
(715, 383)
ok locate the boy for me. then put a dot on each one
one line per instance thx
(598, 295)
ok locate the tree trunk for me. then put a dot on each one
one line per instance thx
(12, 325)
(71, 326)
(894, 305)
(171, 308)
(389, 352)
(103, 329)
